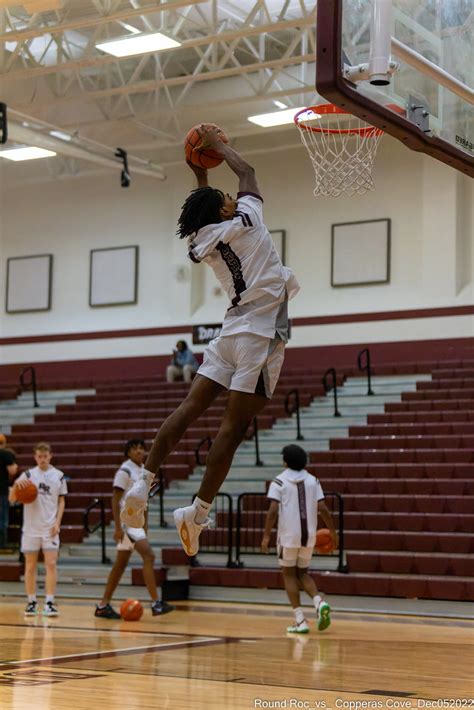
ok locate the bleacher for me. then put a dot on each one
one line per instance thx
(406, 476)
(88, 437)
(408, 487)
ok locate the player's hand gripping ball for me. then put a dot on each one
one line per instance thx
(26, 494)
(324, 542)
(198, 151)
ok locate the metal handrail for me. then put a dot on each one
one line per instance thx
(32, 383)
(101, 524)
(341, 566)
(197, 450)
(296, 408)
(159, 487)
(3, 124)
(332, 371)
(230, 532)
(258, 460)
(367, 367)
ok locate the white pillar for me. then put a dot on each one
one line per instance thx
(438, 200)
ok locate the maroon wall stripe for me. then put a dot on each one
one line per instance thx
(316, 357)
(297, 322)
(385, 316)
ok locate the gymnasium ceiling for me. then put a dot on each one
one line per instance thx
(237, 58)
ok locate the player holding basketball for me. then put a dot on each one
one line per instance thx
(231, 237)
(296, 499)
(41, 525)
(130, 538)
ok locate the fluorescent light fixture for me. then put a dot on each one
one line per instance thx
(280, 104)
(29, 153)
(62, 136)
(137, 44)
(275, 118)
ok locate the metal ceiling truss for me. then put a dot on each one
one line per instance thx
(50, 66)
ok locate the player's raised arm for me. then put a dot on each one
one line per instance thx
(200, 173)
(245, 172)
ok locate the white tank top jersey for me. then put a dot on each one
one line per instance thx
(298, 493)
(244, 259)
(126, 476)
(40, 516)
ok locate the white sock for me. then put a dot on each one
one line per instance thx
(202, 509)
(299, 614)
(31, 598)
(317, 601)
(50, 598)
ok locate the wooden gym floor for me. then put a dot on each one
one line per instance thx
(209, 656)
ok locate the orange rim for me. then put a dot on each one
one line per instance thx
(331, 110)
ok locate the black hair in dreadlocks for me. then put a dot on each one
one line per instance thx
(201, 208)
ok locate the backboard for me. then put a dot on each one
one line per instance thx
(430, 43)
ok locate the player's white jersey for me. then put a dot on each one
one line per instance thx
(126, 476)
(244, 259)
(40, 516)
(298, 493)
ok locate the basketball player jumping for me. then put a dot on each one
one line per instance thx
(231, 237)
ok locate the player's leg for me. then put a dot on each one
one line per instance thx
(50, 562)
(239, 414)
(240, 411)
(104, 609)
(31, 566)
(322, 608)
(145, 551)
(287, 560)
(255, 364)
(201, 395)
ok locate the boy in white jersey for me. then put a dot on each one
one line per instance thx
(296, 499)
(246, 359)
(41, 526)
(130, 538)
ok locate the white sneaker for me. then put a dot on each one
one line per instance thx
(188, 529)
(298, 628)
(324, 616)
(135, 502)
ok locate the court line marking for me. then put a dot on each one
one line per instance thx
(120, 631)
(206, 640)
(52, 626)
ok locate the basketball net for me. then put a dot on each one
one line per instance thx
(342, 149)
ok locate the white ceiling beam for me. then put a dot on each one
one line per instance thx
(94, 20)
(27, 136)
(146, 86)
(99, 61)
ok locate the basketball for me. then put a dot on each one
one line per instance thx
(28, 494)
(199, 154)
(131, 610)
(324, 543)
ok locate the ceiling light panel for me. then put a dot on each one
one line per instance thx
(137, 44)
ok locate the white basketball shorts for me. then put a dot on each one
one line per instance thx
(35, 543)
(130, 537)
(295, 556)
(244, 362)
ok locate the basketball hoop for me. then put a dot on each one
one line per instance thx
(342, 149)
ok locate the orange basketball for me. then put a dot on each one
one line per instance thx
(131, 610)
(28, 494)
(324, 543)
(198, 153)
